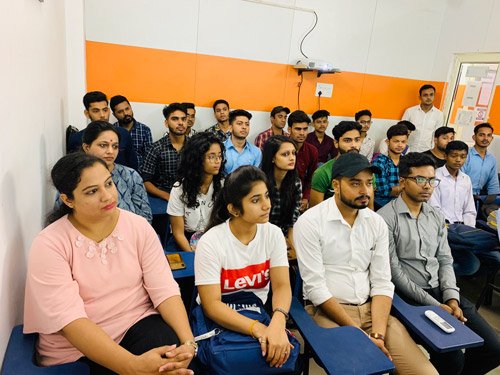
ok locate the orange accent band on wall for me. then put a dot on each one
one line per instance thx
(161, 76)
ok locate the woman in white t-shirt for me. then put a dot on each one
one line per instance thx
(242, 252)
(199, 179)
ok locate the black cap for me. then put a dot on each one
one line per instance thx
(350, 164)
(279, 109)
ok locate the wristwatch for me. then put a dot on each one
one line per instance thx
(194, 345)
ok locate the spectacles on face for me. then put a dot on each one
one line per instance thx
(213, 158)
(422, 181)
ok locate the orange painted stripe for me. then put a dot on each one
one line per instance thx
(161, 76)
(494, 118)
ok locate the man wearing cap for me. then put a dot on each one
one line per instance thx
(343, 254)
(278, 122)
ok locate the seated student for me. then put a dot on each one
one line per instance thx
(190, 119)
(101, 139)
(140, 133)
(98, 286)
(481, 165)
(453, 198)
(199, 179)
(307, 155)
(442, 136)
(239, 151)
(221, 112)
(422, 265)
(364, 118)
(319, 139)
(240, 245)
(278, 123)
(383, 149)
(388, 178)
(343, 256)
(285, 190)
(96, 109)
(347, 138)
(162, 159)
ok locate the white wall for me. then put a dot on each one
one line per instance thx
(33, 102)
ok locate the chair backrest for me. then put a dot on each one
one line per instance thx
(69, 131)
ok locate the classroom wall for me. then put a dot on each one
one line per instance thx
(33, 102)
(202, 50)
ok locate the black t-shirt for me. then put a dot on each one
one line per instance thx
(439, 162)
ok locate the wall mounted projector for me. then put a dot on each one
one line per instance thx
(322, 67)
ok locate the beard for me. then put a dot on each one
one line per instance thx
(352, 202)
(126, 120)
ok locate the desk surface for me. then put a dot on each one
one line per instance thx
(158, 205)
(188, 258)
(340, 350)
(413, 317)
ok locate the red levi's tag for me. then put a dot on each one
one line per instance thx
(255, 276)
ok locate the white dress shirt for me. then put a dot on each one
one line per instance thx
(453, 197)
(425, 123)
(336, 260)
(367, 148)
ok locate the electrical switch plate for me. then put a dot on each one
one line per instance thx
(325, 88)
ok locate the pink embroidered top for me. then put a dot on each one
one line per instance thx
(114, 283)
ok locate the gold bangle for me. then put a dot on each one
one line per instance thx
(251, 328)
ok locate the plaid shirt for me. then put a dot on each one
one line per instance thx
(160, 164)
(385, 180)
(275, 215)
(141, 140)
(264, 136)
(218, 132)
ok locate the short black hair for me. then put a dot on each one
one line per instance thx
(94, 97)
(343, 127)
(443, 130)
(320, 113)
(364, 112)
(220, 101)
(426, 87)
(297, 117)
(188, 105)
(483, 125)
(117, 99)
(172, 107)
(409, 125)
(414, 159)
(395, 130)
(456, 146)
(239, 112)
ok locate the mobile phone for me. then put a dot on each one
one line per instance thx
(176, 262)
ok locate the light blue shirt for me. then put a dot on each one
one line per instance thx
(250, 155)
(482, 172)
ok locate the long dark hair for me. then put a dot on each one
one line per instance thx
(236, 186)
(190, 172)
(66, 175)
(288, 191)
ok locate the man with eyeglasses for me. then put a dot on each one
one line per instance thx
(364, 118)
(422, 265)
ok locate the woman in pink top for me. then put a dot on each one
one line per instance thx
(99, 288)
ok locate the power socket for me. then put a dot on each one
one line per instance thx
(325, 88)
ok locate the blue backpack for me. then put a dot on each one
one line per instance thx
(229, 352)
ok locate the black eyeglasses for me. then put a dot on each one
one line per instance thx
(422, 181)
